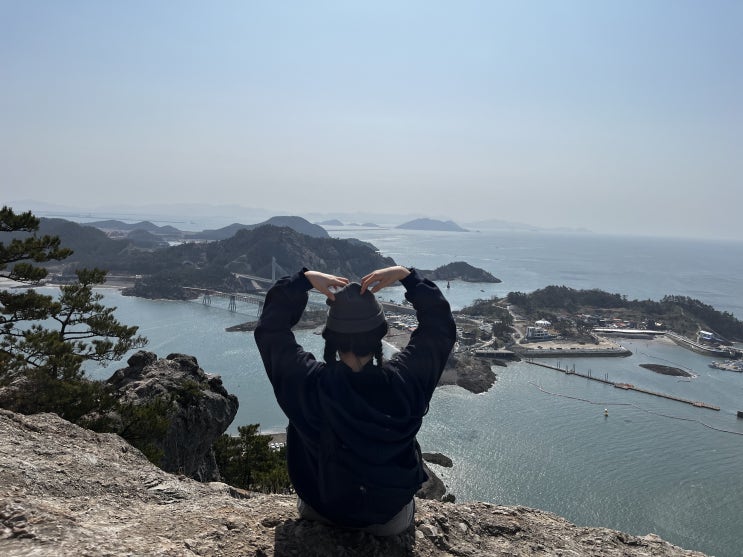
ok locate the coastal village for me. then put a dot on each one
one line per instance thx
(479, 346)
(540, 339)
(483, 342)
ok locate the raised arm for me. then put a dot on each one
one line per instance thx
(427, 352)
(381, 278)
(322, 282)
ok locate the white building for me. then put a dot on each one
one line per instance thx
(537, 333)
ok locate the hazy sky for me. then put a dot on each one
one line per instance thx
(622, 116)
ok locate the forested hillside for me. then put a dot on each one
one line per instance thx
(211, 265)
(679, 313)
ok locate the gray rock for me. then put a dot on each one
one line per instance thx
(438, 458)
(201, 408)
(468, 372)
(433, 488)
(67, 491)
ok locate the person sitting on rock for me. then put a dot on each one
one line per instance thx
(352, 452)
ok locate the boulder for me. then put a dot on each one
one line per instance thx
(200, 408)
(438, 458)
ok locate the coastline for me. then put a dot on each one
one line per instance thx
(113, 283)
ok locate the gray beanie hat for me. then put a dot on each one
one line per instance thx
(353, 312)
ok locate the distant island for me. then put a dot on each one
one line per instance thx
(667, 370)
(331, 222)
(432, 224)
(459, 270)
(336, 222)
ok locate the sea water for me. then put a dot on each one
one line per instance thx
(539, 437)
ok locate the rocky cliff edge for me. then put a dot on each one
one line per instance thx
(65, 490)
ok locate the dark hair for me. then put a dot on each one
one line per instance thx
(360, 344)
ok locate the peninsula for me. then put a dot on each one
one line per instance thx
(557, 320)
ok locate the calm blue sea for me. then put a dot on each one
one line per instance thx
(538, 437)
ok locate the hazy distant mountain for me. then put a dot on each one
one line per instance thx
(331, 222)
(185, 216)
(297, 224)
(147, 240)
(381, 219)
(91, 247)
(143, 225)
(432, 224)
(119, 225)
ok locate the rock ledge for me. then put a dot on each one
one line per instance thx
(65, 490)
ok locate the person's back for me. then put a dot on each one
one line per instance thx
(351, 448)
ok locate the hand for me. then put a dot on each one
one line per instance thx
(322, 282)
(376, 280)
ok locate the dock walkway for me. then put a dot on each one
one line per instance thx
(626, 386)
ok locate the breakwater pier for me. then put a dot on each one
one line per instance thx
(700, 348)
(624, 386)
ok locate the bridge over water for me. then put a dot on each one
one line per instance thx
(257, 299)
(233, 297)
(257, 287)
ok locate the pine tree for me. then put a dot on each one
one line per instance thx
(45, 341)
(248, 462)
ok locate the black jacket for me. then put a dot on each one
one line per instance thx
(351, 445)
